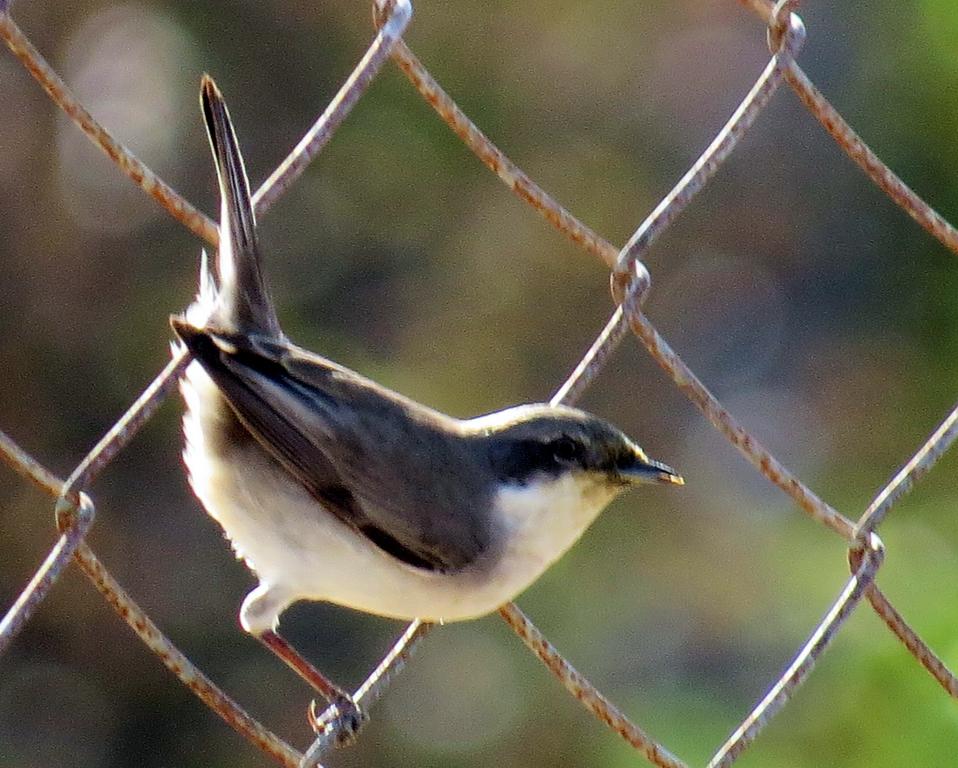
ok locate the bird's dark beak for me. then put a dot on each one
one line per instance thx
(641, 469)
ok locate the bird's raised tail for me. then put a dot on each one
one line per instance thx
(242, 303)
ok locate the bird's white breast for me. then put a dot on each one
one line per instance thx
(300, 551)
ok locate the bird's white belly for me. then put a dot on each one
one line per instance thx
(300, 551)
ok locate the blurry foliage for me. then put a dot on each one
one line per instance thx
(816, 309)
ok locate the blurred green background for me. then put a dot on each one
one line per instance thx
(822, 316)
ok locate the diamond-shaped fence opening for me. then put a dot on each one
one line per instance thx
(798, 292)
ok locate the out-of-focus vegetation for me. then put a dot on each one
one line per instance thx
(822, 315)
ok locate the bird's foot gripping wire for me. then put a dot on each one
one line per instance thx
(339, 723)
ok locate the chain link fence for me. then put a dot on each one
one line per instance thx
(630, 282)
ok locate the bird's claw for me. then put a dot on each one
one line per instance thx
(340, 722)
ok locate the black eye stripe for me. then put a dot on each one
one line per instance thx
(520, 460)
(566, 449)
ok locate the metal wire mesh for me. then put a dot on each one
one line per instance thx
(630, 282)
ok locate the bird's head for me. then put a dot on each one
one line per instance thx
(560, 450)
(555, 469)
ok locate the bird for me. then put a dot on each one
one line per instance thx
(334, 488)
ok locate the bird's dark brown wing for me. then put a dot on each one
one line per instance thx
(342, 437)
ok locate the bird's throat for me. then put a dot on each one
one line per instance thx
(542, 519)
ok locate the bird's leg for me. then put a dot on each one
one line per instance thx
(370, 690)
(343, 719)
(259, 615)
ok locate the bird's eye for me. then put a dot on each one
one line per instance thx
(565, 449)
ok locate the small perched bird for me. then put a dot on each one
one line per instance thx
(334, 488)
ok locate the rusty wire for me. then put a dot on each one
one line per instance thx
(630, 280)
(178, 207)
